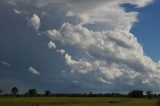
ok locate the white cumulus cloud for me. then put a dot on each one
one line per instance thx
(35, 22)
(16, 11)
(51, 45)
(61, 51)
(5, 63)
(33, 71)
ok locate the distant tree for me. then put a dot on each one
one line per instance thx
(14, 91)
(90, 94)
(0, 92)
(155, 95)
(136, 94)
(47, 93)
(149, 94)
(32, 93)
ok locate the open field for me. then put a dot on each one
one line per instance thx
(76, 101)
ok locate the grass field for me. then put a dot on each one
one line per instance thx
(78, 101)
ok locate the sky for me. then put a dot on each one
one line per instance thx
(72, 46)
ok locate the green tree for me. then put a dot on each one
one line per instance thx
(47, 93)
(149, 94)
(14, 91)
(32, 92)
(0, 92)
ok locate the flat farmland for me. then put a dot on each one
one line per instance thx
(77, 101)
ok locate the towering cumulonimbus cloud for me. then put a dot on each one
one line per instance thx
(110, 56)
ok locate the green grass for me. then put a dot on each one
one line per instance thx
(77, 101)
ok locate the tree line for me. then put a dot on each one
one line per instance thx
(47, 93)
